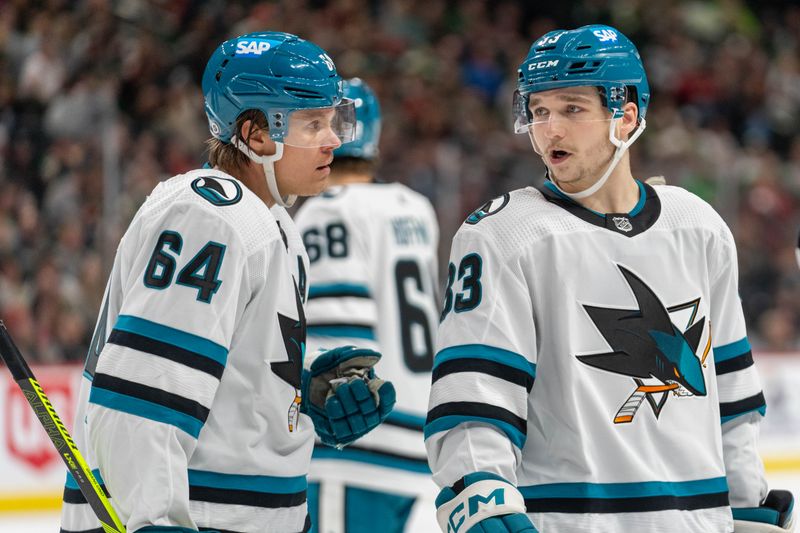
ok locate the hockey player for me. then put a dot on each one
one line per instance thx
(593, 372)
(197, 409)
(373, 249)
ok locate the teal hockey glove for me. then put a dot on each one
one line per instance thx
(772, 516)
(342, 394)
(482, 503)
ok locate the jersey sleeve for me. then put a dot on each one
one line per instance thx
(341, 307)
(742, 404)
(183, 278)
(484, 367)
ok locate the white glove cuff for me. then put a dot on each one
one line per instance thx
(477, 502)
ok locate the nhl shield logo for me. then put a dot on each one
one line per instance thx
(622, 223)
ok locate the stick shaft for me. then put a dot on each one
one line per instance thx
(58, 434)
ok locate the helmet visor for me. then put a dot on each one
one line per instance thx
(568, 106)
(321, 126)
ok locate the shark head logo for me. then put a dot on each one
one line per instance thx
(218, 191)
(646, 345)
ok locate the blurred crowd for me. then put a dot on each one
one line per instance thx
(100, 100)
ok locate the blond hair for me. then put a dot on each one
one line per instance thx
(226, 156)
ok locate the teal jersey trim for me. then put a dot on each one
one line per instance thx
(626, 490)
(761, 409)
(360, 456)
(265, 484)
(450, 421)
(356, 332)
(761, 515)
(635, 211)
(489, 353)
(338, 290)
(405, 419)
(729, 351)
(181, 339)
(72, 484)
(145, 409)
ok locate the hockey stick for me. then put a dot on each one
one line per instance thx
(58, 434)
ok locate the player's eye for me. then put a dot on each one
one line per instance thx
(540, 112)
(314, 125)
(573, 109)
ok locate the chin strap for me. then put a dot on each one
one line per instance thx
(268, 162)
(621, 145)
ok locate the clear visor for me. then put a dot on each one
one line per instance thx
(321, 126)
(567, 105)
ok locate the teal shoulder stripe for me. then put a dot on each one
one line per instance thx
(72, 484)
(338, 289)
(266, 484)
(489, 353)
(729, 351)
(761, 409)
(450, 421)
(626, 490)
(176, 337)
(359, 456)
(356, 332)
(145, 409)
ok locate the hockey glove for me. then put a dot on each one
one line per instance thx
(482, 503)
(772, 516)
(342, 395)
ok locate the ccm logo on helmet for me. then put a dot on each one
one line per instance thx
(252, 48)
(543, 64)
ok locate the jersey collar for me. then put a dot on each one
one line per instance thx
(643, 215)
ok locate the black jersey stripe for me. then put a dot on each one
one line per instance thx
(151, 394)
(730, 409)
(75, 496)
(626, 505)
(483, 366)
(478, 410)
(246, 497)
(739, 362)
(167, 351)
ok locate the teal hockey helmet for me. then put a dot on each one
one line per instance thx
(368, 121)
(279, 74)
(595, 55)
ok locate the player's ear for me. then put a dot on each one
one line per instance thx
(630, 117)
(257, 138)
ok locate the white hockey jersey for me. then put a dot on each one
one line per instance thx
(600, 363)
(373, 270)
(189, 407)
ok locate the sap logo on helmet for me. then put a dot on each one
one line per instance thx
(605, 35)
(252, 48)
(543, 64)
